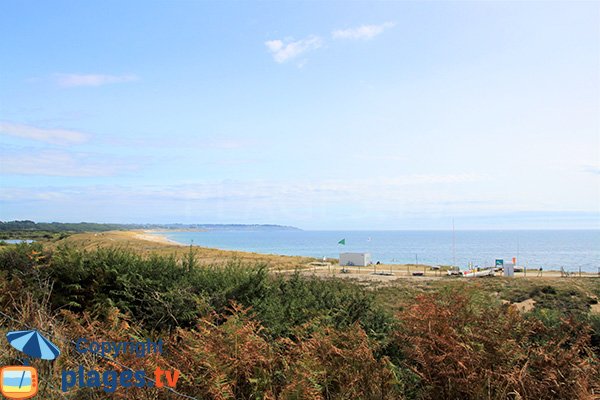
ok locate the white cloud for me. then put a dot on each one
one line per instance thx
(59, 163)
(175, 141)
(386, 202)
(417, 179)
(19, 195)
(284, 50)
(594, 170)
(365, 32)
(75, 80)
(386, 189)
(392, 190)
(54, 136)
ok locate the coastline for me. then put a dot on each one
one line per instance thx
(386, 247)
(333, 269)
(156, 236)
(146, 242)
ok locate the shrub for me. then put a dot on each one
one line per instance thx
(463, 349)
(236, 331)
(228, 357)
(339, 364)
(163, 293)
(296, 300)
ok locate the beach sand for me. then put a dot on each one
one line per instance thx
(150, 236)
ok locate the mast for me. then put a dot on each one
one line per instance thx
(453, 246)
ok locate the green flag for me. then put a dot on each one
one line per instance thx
(343, 241)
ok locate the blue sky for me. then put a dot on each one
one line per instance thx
(323, 115)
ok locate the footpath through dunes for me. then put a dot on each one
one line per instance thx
(145, 243)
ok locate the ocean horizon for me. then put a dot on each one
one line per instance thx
(547, 249)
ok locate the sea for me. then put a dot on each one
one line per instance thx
(548, 249)
(17, 241)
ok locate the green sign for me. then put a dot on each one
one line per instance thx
(499, 263)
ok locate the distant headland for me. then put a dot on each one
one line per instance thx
(27, 228)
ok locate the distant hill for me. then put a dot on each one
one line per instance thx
(55, 227)
(231, 227)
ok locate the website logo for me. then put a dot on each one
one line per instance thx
(21, 382)
(18, 382)
(110, 380)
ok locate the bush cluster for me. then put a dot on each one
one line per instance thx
(236, 331)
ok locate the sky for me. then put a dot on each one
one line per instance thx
(320, 115)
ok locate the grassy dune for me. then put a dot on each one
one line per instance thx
(143, 243)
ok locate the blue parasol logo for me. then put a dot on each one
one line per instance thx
(33, 344)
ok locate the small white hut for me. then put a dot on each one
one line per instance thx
(355, 259)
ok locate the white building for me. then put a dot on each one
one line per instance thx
(355, 259)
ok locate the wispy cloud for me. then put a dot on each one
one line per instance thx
(592, 169)
(419, 179)
(364, 32)
(53, 136)
(60, 163)
(387, 200)
(285, 50)
(176, 141)
(326, 191)
(75, 80)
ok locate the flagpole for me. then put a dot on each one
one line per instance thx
(343, 243)
(453, 246)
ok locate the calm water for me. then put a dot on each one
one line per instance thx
(17, 241)
(547, 249)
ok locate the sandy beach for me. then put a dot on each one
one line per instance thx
(153, 236)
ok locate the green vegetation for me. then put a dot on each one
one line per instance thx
(57, 230)
(236, 331)
(27, 225)
(162, 293)
(52, 231)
